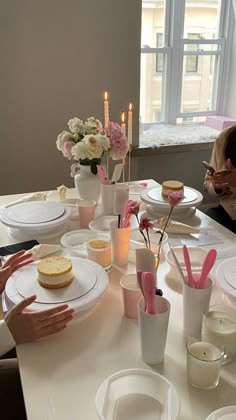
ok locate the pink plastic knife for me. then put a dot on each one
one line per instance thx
(149, 291)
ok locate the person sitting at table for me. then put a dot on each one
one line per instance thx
(20, 326)
(222, 182)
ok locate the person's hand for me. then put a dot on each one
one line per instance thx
(225, 178)
(12, 264)
(26, 325)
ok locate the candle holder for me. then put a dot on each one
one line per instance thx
(204, 362)
(129, 157)
(219, 327)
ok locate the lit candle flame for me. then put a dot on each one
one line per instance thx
(130, 107)
(105, 96)
(123, 116)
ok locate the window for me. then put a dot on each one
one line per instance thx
(184, 43)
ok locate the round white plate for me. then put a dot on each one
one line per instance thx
(230, 274)
(76, 239)
(35, 212)
(156, 194)
(26, 284)
(223, 413)
(162, 203)
(221, 272)
(79, 304)
(40, 225)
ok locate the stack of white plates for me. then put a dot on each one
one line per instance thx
(36, 219)
(89, 284)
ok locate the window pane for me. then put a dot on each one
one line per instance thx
(202, 17)
(153, 15)
(197, 88)
(151, 88)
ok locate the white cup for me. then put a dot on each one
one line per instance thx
(131, 293)
(107, 193)
(119, 243)
(99, 251)
(153, 330)
(195, 304)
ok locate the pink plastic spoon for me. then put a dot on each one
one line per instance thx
(191, 282)
(206, 268)
(149, 291)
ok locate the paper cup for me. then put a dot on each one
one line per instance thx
(153, 330)
(119, 243)
(107, 193)
(86, 210)
(131, 294)
(195, 304)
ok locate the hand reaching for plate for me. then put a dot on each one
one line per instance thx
(26, 325)
(12, 264)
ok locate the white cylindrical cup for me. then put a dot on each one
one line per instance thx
(195, 304)
(107, 193)
(153, 330)
(204, 362)
(119, 243)
(99, 251)
(131, 293)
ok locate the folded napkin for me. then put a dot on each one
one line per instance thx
(174, 227)
(30, 197)
(43, 250)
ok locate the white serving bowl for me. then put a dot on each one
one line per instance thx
(196, 255)
(137, 393)
(75, 241)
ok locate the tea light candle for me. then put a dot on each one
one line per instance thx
(219, 326)
(130, 123)
(203, 364)
(99, 251)
(106, 109)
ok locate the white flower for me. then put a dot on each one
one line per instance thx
(90, 147)
(93, 126)
(62, 138)
(76, 125)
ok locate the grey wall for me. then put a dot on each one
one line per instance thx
(57, 59)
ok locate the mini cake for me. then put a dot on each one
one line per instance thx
(171, 186)
(55, 272)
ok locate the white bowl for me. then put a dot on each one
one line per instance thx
(196, 255)
(76, 240)
(102, 223)
(137, 393)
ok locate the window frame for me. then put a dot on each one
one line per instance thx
(173, 51)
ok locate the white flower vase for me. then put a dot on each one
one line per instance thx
(87, 184)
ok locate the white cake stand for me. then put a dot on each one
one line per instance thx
(89, 284)
(158, 206)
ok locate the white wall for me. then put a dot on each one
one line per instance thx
(57, 58)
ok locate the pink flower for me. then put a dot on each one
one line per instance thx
(145, 223)
(132, 207)
(118, 141)
(174, 197)
(67, 146)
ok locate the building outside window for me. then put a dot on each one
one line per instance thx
(175, 69)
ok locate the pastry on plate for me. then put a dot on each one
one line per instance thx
(55, 272)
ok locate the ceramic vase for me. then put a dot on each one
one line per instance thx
(87, 184)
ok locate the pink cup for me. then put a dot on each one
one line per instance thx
(131, 294)
(86, 210)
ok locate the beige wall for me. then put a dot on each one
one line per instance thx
(58, 57)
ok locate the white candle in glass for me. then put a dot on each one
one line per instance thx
(106, 109)
(219, 326)
(130, 123)
(203, 364)
(123, 125)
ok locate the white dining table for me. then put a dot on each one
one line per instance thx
(61, 374)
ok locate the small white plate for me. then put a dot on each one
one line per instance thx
(223, 413)
(156, 194)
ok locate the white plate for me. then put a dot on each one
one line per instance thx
(230, 274)
(44, 205)
(76, 239)
(156, 194)
(79, 304)
(162, 203)
(223, 413)
(222, 271)
(26, 284)
(35, 212)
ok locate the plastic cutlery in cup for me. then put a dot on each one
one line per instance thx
(149, 291)
(206, 268)
(191, 282)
